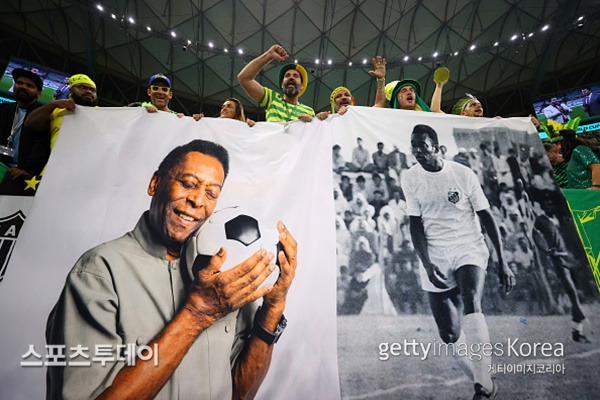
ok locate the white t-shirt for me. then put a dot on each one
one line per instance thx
(447, 201)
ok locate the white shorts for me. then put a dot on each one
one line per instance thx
(449, 258)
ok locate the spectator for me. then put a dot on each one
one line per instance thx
(231, 108)
(583, 169)
(293, 80)
(160, 92)
(23, 150)
(82, 92)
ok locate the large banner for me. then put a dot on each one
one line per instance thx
(95, 190)
(390, 345)
(359, 324)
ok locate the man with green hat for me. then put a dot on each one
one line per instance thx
(468, 106)
(82, 91)
(406, 95)
(293, 81)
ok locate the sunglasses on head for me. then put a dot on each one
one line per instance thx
(158, 88)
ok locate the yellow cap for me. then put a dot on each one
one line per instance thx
(80, 78)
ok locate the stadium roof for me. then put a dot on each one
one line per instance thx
(503, 51)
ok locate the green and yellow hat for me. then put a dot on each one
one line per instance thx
(460, 105)
(553, 128)
(419, 103)
(332, 97)
(298, 68)
(81, 78)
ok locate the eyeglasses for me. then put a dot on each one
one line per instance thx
(159, 88)
(83, 88)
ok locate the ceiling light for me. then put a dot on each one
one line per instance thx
(211, 45)
(530, 34)
(149, 29)
(113, 16)
(580, 18)
(456, 53)
(240, 51)
(364, 60)
(189, 41)
(295, 61)
(435, 54)
(173, 34)
(99, 7)
(513, 37)
(225, 50)
(472, 47)
(131, 20)
(496, 44)
(350, 63)
(317, 61)
(420, 58)
(545, 27)
(328, 62)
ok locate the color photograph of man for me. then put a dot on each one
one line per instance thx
(557, 111)
(135, 290)
(445, 205)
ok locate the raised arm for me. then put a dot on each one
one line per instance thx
(247, 75)
(379, 73)
(39, 119)
(436, 99)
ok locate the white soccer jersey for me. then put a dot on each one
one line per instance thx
(447, 201)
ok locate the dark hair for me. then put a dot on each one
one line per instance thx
(201, 146)
(548, 147)
(426, 129)
(360, 178)
(336, 147)
(239, 109)
(571, 141)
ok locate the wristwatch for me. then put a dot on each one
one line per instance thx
(267, 336)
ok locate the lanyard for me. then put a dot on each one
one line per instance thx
(17, 122)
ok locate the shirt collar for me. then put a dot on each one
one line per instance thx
(147, 239)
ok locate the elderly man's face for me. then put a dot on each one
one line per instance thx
(184, 198)
(554, 101)
(473, 109)
(406, 98)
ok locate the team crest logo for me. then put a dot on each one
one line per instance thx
(453, 196)
(9, 231)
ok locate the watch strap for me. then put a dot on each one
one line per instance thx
(265, 335)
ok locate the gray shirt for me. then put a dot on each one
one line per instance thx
(122, 294)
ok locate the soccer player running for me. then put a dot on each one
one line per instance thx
(445, 204)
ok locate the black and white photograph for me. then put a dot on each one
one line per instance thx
(453, 233)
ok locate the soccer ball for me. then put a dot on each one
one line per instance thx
(236, 230)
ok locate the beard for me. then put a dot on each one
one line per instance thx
(24, 97)
(84, 102)
(291, 91)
